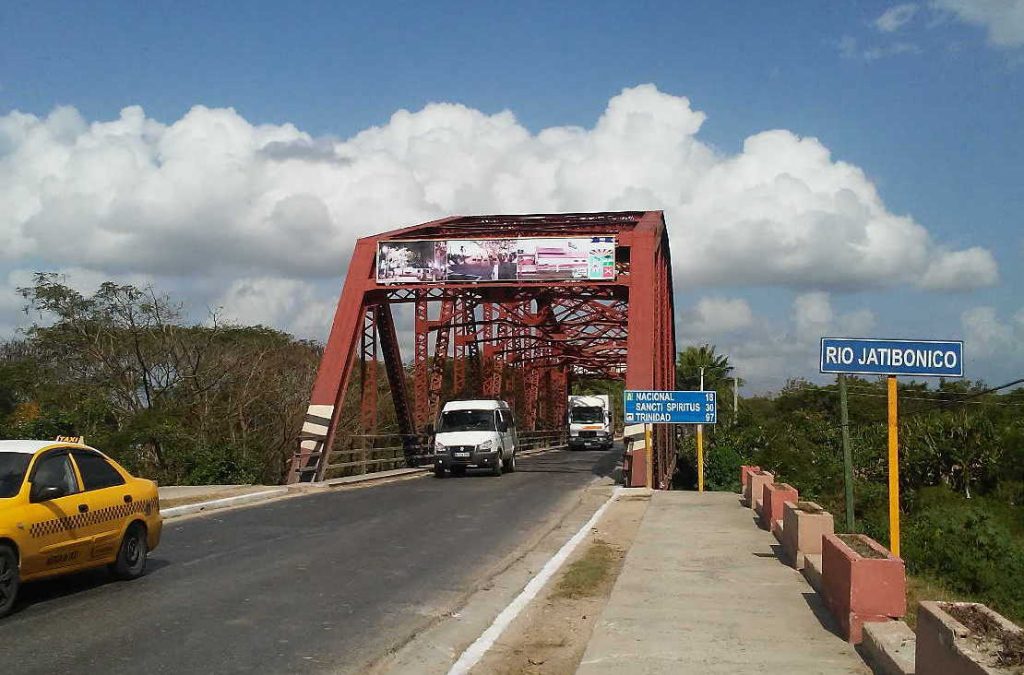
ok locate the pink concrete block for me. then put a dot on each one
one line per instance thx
(947, 647)
(745, 472)
(775, 495)
(861, 587)
(803, 526)
(755, 486)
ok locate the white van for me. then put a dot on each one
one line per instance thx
(475, 434)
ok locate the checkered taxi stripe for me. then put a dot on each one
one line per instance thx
(89, 518)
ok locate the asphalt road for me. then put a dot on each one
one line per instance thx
(323, 582)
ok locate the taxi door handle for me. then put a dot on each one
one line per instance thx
(127, 499)
(82, 508)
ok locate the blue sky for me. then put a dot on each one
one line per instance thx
(927, 103)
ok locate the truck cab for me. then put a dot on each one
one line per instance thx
(479, 433)
(590, 422)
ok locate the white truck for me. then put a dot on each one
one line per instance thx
(590, 422)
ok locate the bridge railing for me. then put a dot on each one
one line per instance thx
(358, 454)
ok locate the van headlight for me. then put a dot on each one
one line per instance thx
(486, 445)
(574, 434)
(440, 449)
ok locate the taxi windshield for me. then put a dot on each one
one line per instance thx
(12, 472)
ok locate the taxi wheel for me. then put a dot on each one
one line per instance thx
(131, 557)
(10, 580)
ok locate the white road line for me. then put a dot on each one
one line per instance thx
(476, 651)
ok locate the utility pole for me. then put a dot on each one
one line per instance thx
(735, 401)
(844, 420)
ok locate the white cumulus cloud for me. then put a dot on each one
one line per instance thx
(986, 334)
(276, 302)
(715, 315)
(1003, 20)
(248, 209)
(895, 17)
(960, 270)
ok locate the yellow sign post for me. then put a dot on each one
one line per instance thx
(894, 469)
(700, 458)
(649, 449)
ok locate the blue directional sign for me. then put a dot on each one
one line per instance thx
(670, 407)
(930, 358)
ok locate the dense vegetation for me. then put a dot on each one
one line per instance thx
(175, 401)
(961, 473)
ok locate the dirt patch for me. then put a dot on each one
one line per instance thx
(549, 638)
(1002, 647)
(860, 546)
(809, 507)
(585, 577)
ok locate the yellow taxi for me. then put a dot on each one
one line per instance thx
(66, 507)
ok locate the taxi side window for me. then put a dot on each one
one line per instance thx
(96, 471)
(56, 471)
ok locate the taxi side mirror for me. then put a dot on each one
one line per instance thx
(44, 493)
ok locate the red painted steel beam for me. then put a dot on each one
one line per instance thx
(526, 341)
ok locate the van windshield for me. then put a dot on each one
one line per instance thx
(588, 413)
(12, 472)
(466, 420)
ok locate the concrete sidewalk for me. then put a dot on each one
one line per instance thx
(702, 591)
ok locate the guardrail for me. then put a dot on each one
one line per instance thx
(357, 454)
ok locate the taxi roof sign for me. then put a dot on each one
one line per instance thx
(70, 439)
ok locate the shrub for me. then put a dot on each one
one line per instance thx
(968, 546)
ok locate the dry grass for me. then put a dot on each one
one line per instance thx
(923, 588)
(586, 576)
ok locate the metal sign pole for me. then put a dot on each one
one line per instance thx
(649, 449)
(844, 418)
(700, 458)
(700, 445)
(894, 469)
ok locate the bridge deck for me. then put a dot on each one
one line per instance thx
(702, 591)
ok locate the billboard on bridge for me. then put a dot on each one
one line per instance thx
(513, 259)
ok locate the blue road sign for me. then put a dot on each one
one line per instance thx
(670, 407)
(929, 358)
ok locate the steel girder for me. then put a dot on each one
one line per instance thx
(526, 341)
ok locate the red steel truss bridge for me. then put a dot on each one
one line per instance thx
(525, 340)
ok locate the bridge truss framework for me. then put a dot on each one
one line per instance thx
(524, 341)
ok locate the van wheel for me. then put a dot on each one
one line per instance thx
(131, 557)
(510, 465)
(438, 472)
(10, 579)
(496, 469)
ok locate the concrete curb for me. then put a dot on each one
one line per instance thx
(225, 502)
(889, 646)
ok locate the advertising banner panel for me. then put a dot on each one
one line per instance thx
(512, 259)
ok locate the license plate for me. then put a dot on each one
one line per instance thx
(460, 455)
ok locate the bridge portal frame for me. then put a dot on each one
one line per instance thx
(526, 341)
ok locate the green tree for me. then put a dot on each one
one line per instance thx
(692, 359)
